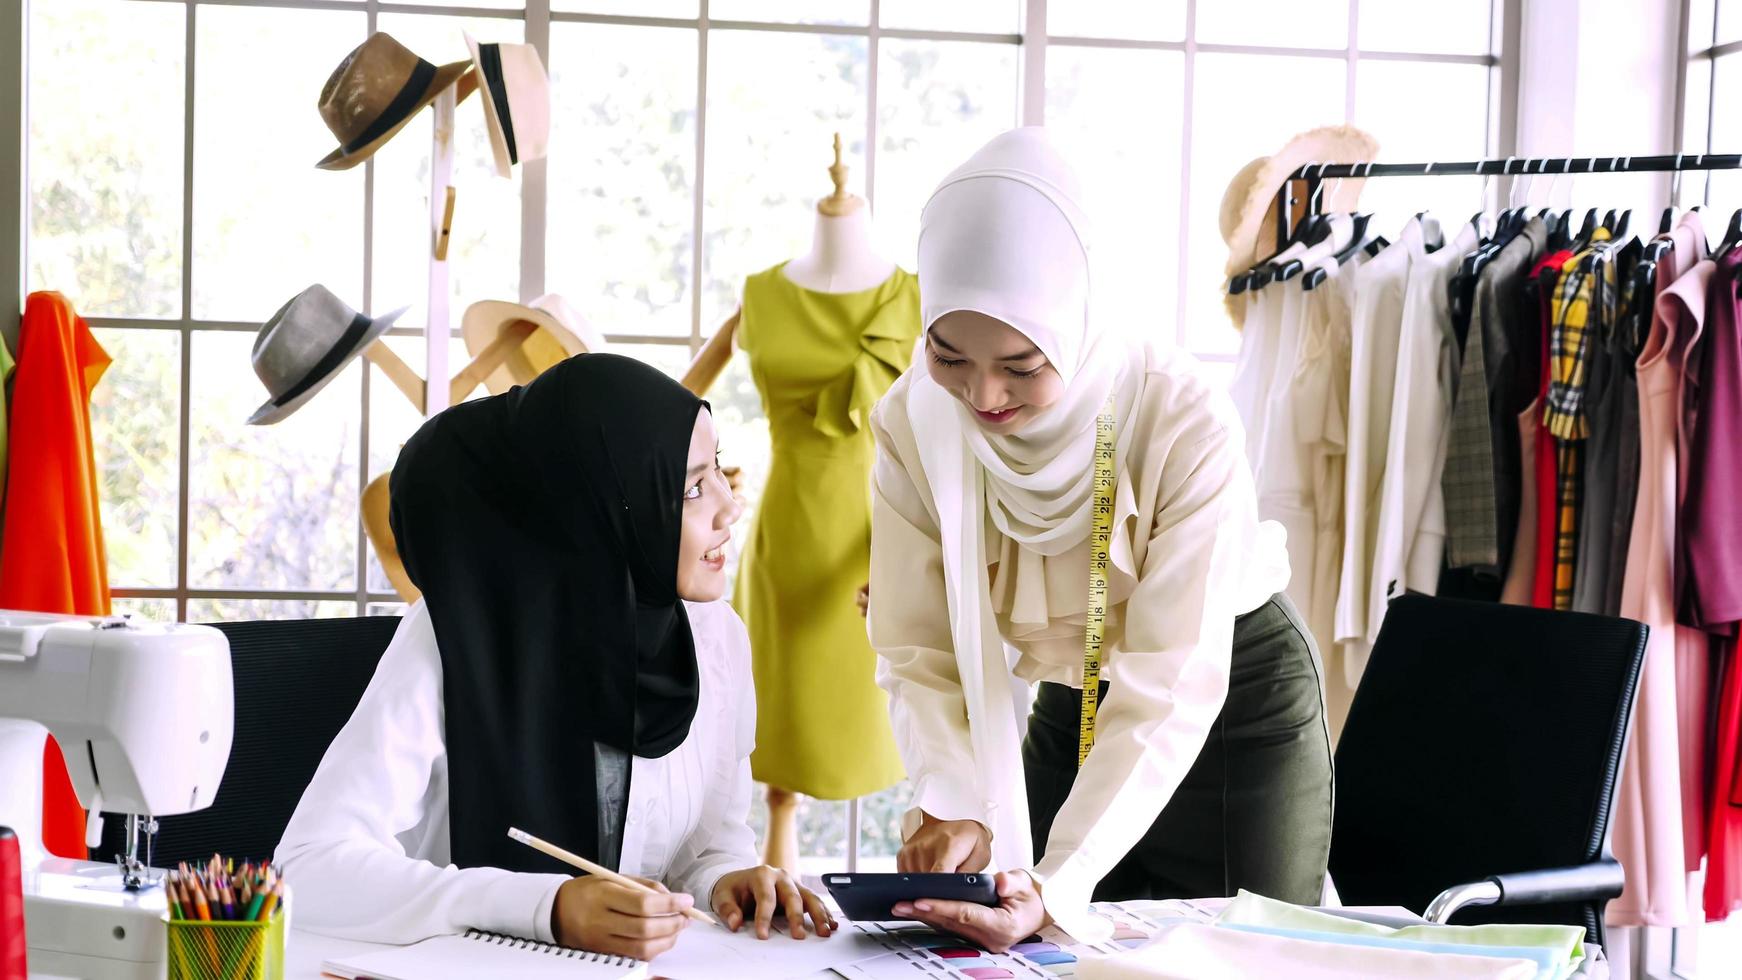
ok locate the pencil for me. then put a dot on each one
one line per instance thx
(273, 897)
(202, 911)
(174, 897)
(595, 869)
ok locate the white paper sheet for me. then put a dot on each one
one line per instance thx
(712, 953)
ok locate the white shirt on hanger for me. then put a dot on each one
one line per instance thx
(367, 849)
(1410, 546)
(1380, 288)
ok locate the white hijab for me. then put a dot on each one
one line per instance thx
(1005, 235)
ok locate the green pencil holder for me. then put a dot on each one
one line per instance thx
(227, 950)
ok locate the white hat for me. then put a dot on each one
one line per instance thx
(305, 345)
(516, 101)
(561, 333)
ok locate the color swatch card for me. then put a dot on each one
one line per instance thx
(918, 951)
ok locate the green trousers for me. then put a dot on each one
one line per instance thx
(1254, 811)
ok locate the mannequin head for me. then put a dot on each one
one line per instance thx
(709, 511)
(993, 368)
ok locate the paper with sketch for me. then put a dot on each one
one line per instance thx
(712, 953)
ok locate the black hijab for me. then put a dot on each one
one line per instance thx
(542, 526)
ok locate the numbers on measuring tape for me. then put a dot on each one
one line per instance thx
(1100, 550)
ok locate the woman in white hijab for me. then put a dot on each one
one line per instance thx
(1211, 766)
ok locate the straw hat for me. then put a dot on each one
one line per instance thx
(561, 333)
(516, 94)
(305, 345)
(1248, 216)
(375, 91)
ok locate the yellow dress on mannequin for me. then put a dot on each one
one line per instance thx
(820, 361)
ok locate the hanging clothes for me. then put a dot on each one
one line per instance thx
(1683, 306)
(1410, 546)
(1650, 825)
(1711, 595)
(1544, 281)
(53, 559)
(1377, 325)
(1611, 457)
(820, 361)
(1482, 473)
(1255, 370)
(1583, 298)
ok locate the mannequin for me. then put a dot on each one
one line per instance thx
(842, 261)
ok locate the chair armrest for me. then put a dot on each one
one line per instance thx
(1598, 881)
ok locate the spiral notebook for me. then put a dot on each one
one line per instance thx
(483, 954)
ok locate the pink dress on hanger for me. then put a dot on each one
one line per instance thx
(1683, 306)
(1648, 832)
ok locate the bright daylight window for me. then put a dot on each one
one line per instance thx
(173, 198)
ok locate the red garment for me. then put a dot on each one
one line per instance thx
(1724, 843)
(1547, 277)
(51, 548)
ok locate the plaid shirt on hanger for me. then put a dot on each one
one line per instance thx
(1584, 301)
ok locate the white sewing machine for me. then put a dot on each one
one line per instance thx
(143, 714)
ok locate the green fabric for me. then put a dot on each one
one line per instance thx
(1568, 942)
(820, 361)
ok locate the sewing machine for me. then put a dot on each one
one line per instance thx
(143, 714)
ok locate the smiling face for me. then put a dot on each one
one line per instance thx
(708, 514)
(992, 368)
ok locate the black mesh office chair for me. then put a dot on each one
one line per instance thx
(1477, 769)
(296, 682)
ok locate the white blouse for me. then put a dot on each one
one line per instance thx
(367, 849)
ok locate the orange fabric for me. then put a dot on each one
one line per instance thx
(51, 547)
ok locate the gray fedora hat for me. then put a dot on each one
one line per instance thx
(305, 345)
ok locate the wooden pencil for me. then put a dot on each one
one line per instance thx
(597, 870)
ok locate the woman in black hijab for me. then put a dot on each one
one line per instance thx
(570, 671)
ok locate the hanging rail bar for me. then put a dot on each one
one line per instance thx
(1668, 162)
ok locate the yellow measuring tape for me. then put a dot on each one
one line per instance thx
(1100, 548)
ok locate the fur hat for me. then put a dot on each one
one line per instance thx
(1248, 215)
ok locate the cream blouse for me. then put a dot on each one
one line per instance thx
(1188, 555)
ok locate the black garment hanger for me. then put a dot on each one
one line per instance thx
(1668, 221)
(1609, 220)
(1379, 244)
(1732, 235)
(1357, 241)
(1619, 228)
(1285, 271)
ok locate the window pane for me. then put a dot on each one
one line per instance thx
(822, 831)
(1695, 117)
(768, 152)
(1145, 20)
(266, 222)
(150, 610)
(136, 436)
(1391, 99)
(1725, 189)
(275, 506)
(673, 359)
(246, 610)
(1130, 174)
(938, 102)
(632, 8)
(105, 155)
(504, 4)
(1284, 23)
(793, 11)
(986, 16)
(1441, 27)
(744, 443)
(1236, 117)
(880, 823)
(484, 245)
(1729, 22)
(620, 239)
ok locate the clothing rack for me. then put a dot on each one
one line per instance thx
(1315, 173)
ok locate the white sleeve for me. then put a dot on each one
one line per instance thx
(344, 851)
(909, 626)
(723, 841)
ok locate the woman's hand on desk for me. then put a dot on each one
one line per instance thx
(604, 917)
(765, 892)
(946, 846)
(1019, 914)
